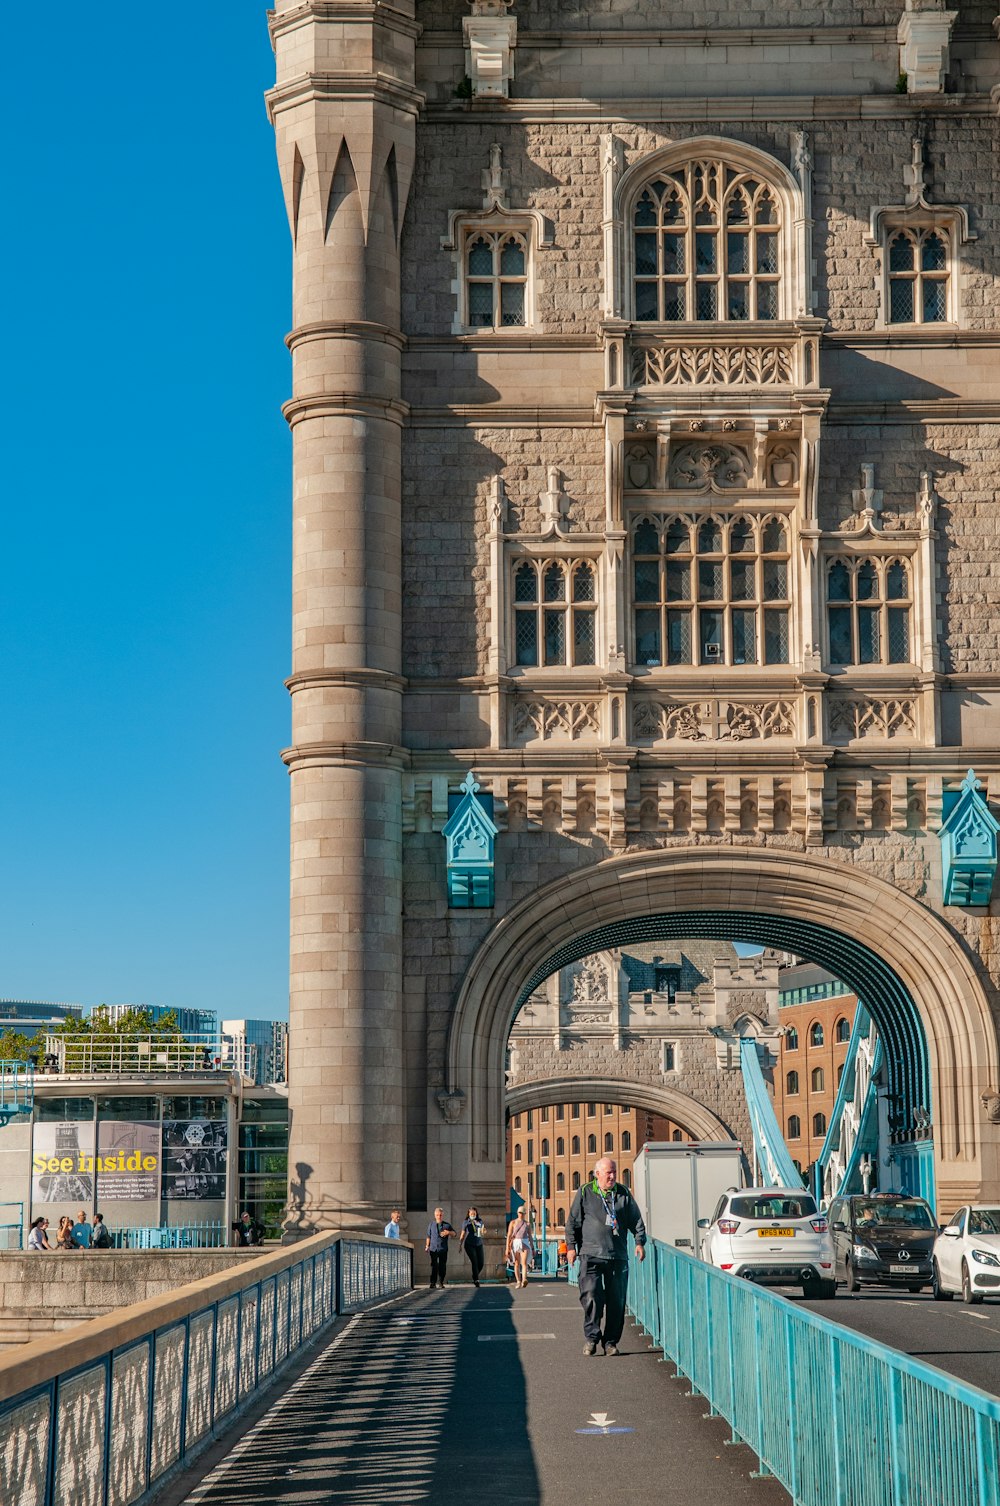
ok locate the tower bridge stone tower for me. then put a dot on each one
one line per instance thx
(645, 423)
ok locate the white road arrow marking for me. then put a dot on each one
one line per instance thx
(600, 1420)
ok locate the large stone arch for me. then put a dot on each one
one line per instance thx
(684, 1110)
(917, 947)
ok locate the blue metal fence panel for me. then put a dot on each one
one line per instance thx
(839, 1419)
(107, 1431)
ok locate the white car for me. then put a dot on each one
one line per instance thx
(772, 1235)
(966, 1255)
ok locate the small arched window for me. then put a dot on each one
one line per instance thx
(816, 1036)
(561, 1216)
(819, 1124)
(576, 1180)
(706, 245)
(626, 1140)
(791, 1039)
(609, 1143)
(868, 611)
(496, 276)
(576, 1145)
(677, 1135)
(560, 1181)
(792, 1082)
(545, 1149)
(627, 1177)
(794, 1127)
(517, 1184)
(843, 1029)
(591, 1145)
(560, 1146)
(517, 1152)
(818, 1080)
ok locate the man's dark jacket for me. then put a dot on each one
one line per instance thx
(587, 1228)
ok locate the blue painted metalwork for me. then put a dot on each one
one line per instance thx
(907, 1071)
(470, 834)
(209, 1234)
(968, 845)
(108, 1430)
(17, 1089)
(776, 1167)
(838, 1419)
(852, 1133)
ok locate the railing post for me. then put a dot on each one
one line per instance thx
(897, 1424)
(758, 1445)
(793, 1453)
(837, 1426)
(987, 1462)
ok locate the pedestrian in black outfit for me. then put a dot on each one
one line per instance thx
(471, 1240)
(600, 1220)
(438, 1234)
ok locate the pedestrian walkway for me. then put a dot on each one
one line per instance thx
(483, 1395)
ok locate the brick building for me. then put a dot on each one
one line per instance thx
(644, 420)
(570, 1138)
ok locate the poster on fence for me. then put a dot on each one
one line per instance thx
(62, 1162)
(194, 1158)
(128, 1161)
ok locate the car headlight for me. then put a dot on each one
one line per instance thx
(984, 1257)
(862, 1253)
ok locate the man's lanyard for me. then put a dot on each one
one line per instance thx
(609, 1207)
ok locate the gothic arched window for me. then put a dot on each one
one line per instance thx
(555, 612)
(869, 601)
(496, 276)
(706, 245)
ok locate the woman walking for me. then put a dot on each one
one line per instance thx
(520, 1251)
(471, 1241)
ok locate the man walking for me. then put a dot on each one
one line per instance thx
(600, 1220)
(438, 1234)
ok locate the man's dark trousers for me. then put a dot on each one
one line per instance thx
(603, 1287)
(439, 1265)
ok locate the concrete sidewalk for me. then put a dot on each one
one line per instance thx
(484, 1395)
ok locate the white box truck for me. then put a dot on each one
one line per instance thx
(676, 1184)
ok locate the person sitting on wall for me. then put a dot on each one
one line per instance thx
(248, 1231)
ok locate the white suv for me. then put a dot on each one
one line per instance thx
(773, 1235)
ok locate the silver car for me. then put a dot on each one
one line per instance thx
(772, 1235)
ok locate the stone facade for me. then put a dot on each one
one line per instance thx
(434, 452)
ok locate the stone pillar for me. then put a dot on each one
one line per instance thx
(344, 110)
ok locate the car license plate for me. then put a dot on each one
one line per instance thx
(902, 1270)
(781, 1233)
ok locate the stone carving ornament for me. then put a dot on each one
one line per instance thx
(672, 365)
(743, 1001)
(638, 468)
(556, 719)
(696, 467)
(590, 984)
(759, 719)
(864, 716)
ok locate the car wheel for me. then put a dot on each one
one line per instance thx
(940, 1295)
(915, 1288)
(853, 1284)
(824, 1290)
(969, 1297)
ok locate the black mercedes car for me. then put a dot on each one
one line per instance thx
(882, 1239)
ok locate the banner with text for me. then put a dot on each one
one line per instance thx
(128, 1161)
(62, 1162)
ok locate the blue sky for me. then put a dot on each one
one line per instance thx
(144, 611)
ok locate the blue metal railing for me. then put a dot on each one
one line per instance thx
(102, 1417)
(209, 1234)
(838, 1419)
(776, 1167)
(17, 1089)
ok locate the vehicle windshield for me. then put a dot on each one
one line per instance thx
(984, 1220)
(886, 1213)
(775, 1205)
